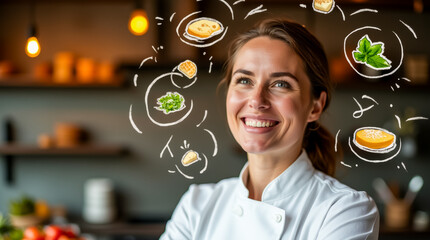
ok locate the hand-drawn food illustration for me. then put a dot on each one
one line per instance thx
(370, 54)
(203, 28)
(190, 157)
(189, 68)
(372, 138)
(170, 102)
(323, 6)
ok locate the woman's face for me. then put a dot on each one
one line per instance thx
(269, 98)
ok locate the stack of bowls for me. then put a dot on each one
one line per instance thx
(99, 201)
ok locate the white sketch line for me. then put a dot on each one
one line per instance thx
(397, 85)
(215, 142)
(154, 49)
(204, 118)
(370, 98)
(210, 58)
(155, 59)
(238, 1)
(191, 84)
(302, 5)
(410, 29)
(159, 18)
(131, 120)
(171, 16)
(159, 24)
(229, 7)
(416, 118)
(335, 144)
(147, 108)
(171, 171)
(171, 77)
(392, 88)
(135, 79)
(343, 15)
(404, 167)
(344, 164)
(167, 147)
(405, 79)
(376, 76)
(398, 121)
(361, 111)
(375, 161)
(364, 10)
(210, 67)
(183, 174)
(144, 60)
(206, 164)
(255, 11)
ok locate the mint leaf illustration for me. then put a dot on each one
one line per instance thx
(370, 54)
(170, 102)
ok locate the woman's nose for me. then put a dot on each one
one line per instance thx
(258, 99)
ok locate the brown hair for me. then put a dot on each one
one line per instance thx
(318, 141)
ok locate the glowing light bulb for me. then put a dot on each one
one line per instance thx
(32, 49)
(138, 23)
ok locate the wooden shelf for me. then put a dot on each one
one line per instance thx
(10, 151)
(23, 81)
(84, 150)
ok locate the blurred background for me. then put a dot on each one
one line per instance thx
(65, 106)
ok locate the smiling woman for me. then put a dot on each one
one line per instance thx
(277, 88)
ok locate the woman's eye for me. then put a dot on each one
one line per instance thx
(282, 84)
(243, 81)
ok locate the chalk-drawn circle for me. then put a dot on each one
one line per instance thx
(176, 85)
(375, 160)
(201, 43)
(147, 108)
(376, 76)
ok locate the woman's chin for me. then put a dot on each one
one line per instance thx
(254, 148)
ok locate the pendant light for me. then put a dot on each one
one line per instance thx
(32, 48)
(138, 23)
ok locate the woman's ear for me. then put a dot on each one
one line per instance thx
(318, 107)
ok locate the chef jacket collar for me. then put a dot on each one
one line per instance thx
(287, 183)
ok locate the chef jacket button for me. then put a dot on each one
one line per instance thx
(278, 218)
(238, 211)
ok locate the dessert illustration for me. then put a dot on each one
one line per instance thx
(374, 138)
(188, 68)
(190, 157)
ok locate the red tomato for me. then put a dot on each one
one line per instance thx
(63, 237)
(53, 232)
(33, 233)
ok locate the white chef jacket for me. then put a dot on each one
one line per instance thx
(301, 203)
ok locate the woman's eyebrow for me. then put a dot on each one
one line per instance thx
(283, 74)
(246, 72)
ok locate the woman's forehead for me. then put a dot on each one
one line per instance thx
(267, 53)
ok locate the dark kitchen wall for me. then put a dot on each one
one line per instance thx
(98, 30)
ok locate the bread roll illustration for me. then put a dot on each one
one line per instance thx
(203, 28)
(323, 6)
(374, 138)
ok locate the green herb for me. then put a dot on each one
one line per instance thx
(370, 54)
(170, 102)
(8, 232)
(22, 206)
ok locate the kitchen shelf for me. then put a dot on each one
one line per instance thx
(83, 150)
(10, 151)
(28, 82)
